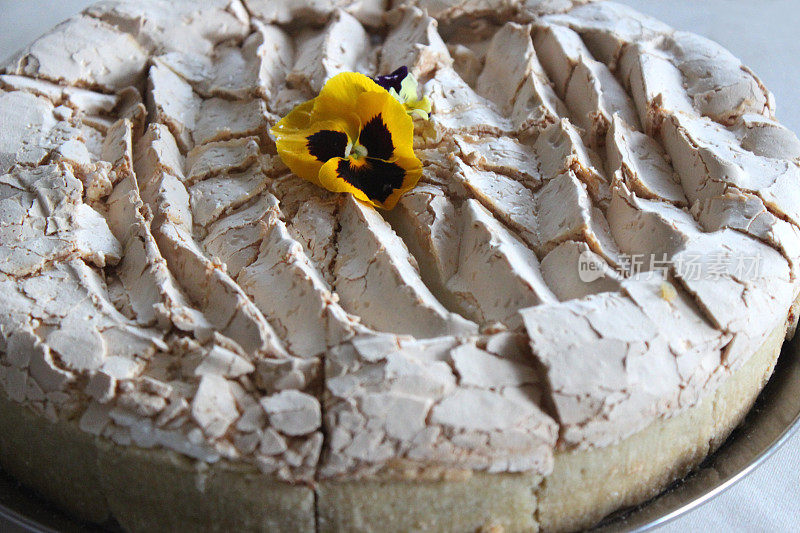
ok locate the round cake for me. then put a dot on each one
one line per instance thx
(373, 265)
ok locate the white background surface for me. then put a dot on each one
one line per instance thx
(765, 34)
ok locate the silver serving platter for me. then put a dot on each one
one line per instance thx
(773, 419)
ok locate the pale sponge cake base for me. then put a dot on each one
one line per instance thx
(149, 490)
(490, 502)
(57, 460)
(152, 491)
(144, 490)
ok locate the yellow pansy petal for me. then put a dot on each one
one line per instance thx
(413, 173)
(410, 163)
(299, 119)
(301, 164)
(304, 118)
(379, 183)
(410, 181)
(420, 108)
(409, 89)
(349, 129)
(305, 151)
(340, 94)
(387, 130)
(409, 97)
(330, 179)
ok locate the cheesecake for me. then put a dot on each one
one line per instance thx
(574, 305)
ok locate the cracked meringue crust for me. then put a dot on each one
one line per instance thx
(154, 489)
(192, 330)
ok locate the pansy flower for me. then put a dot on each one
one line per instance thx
(405, 89)
(354, 137)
